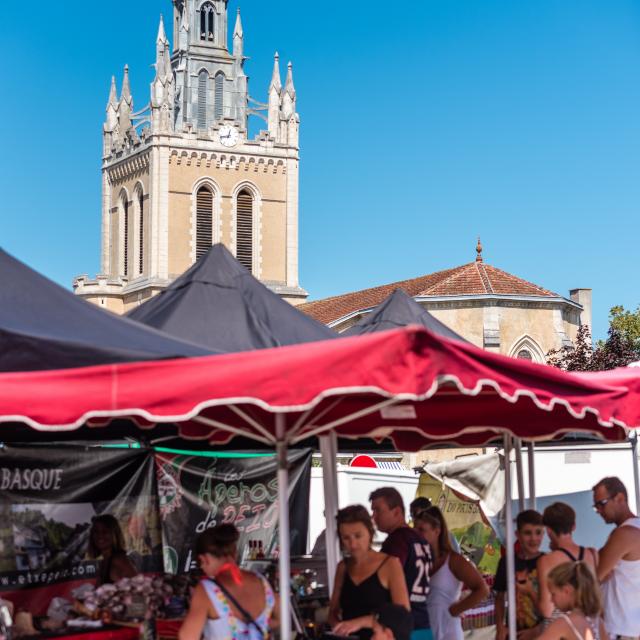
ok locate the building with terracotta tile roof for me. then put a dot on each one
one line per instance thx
(486, 305)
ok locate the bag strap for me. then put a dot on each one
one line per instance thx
(248, 618)
(572, 626)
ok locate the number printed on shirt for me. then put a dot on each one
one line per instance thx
(420, 587)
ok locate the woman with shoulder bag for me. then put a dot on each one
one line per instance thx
(229, 603)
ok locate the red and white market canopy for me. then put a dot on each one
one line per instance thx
(408, 385)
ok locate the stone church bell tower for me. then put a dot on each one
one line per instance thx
(182, 173)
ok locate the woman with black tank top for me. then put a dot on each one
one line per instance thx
(560, 522)
(365, 579)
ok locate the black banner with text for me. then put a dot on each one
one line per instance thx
(48, 499)
(197, 493)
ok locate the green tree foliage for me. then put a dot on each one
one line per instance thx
(627, 323)
(621, 347)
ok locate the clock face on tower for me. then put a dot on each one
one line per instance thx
(228, 135)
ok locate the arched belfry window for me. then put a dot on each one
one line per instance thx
(141, 232)
(125, 213)
(244, 228)
(204, 220)
(219, 97)
(524, 354)
(203, 81)
(207, 22)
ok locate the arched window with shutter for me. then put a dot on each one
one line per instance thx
(125, 213)
(141, 232)
(203, 81)
(204, 220)
(244, 228)
(207, 22)
(219, 97)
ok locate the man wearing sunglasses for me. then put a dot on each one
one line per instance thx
(619, 560)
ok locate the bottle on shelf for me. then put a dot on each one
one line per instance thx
(260, 554)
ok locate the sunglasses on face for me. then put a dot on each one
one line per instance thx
(599, 504)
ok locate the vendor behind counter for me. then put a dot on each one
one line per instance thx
(107, 543)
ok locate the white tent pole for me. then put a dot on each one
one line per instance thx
(532, 474)
(329, 453)
(284, 559)
(636, 477)
(510, 540)
(519, 472)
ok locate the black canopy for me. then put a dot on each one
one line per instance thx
(218, 303)
(399, 310)
(43, 326)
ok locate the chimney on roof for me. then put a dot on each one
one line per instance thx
(479, 251)
(583, 297)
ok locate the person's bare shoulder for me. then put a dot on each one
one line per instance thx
(626, 540)
(391, 563)
(548, 561)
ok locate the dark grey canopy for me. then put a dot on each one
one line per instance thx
(43, 326)
(399, 310)
(219, 304)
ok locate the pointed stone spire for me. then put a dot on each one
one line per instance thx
(162, 36)
(163, 55)
(238, 37)
(125, 106)
(289, 95)
(275, 76)
(288, 86)
(113, 93)
(168, 71)
(183, 35)
(273, 116)
(112, 108)
(126, 88)
(184, 21)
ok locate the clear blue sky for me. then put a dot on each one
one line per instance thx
(515, 120)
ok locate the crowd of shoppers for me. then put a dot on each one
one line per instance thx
(574, 592)
(418, 585)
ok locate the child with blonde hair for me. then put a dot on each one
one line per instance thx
(576, 593)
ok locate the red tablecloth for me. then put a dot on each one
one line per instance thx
(120, 633)
(168, 629)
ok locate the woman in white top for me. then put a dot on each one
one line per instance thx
(229, 603)
(450, 573)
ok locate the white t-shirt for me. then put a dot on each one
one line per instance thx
(621, 595)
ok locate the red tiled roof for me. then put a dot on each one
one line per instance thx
(475, 278)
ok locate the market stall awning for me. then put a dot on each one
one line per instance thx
(408, 385)
(43, 326)
(219, 304)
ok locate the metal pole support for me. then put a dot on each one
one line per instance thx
(329, 452)
(284, 559)
(532, 475)
(510, 540)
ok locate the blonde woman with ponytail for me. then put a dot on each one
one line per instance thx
(576, 593)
